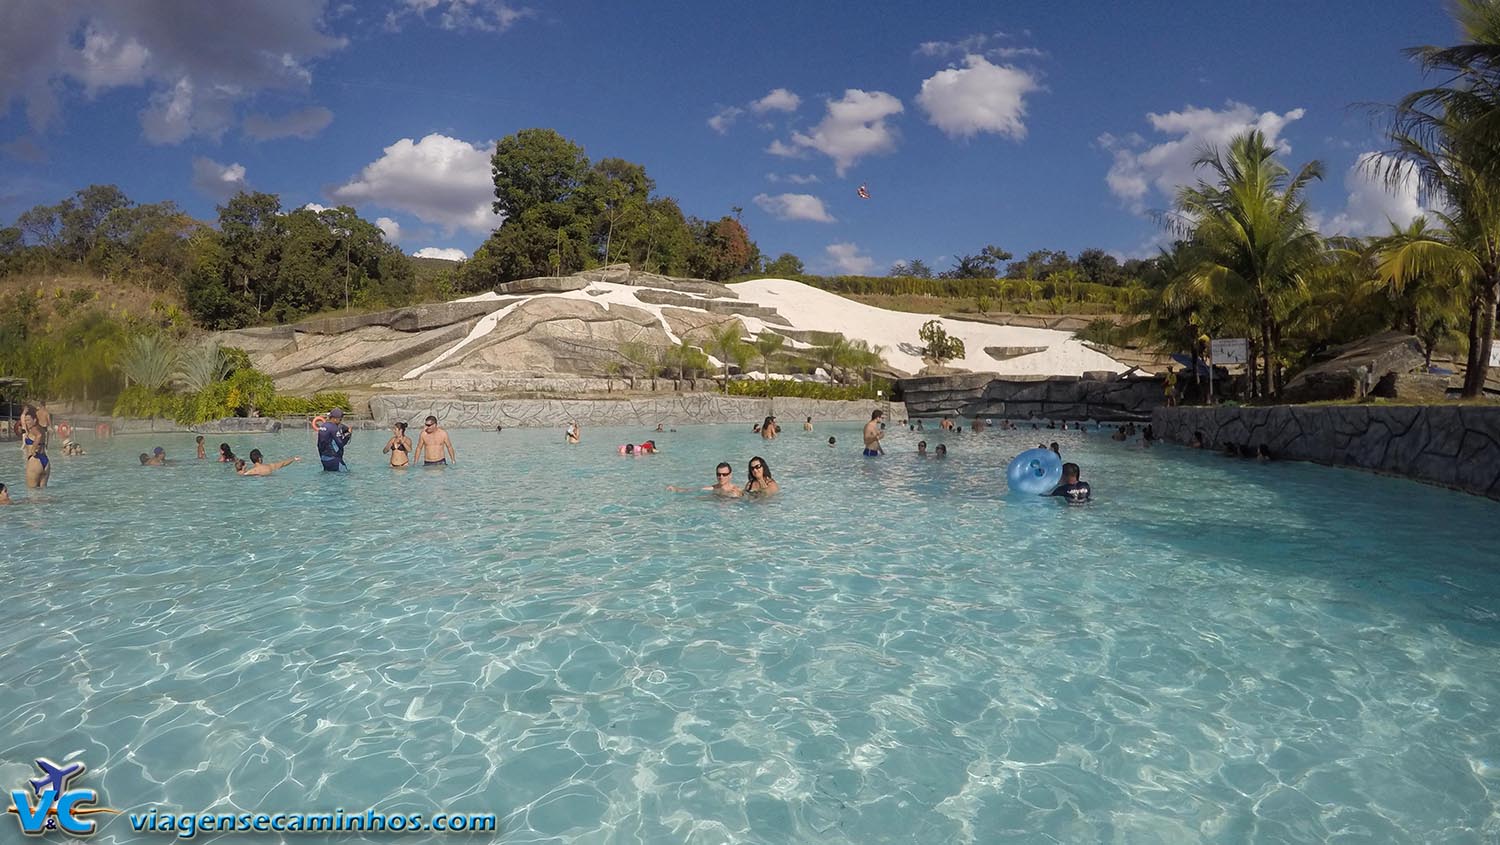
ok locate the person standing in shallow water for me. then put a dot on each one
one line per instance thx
(872, 434)
(202, 453)
(398, 447)
(333, 436)
(433, 445)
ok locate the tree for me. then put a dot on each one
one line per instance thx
(721, 250)
(938, 345)
(149, 361)
(1445, 136)
(768, 344)
(534, 168)
(786, 265)
(1255, 244)
(727, 343)
(617, 191)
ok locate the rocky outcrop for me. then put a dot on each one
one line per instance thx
(1454, 446)
(714, 306)
(543, 284)
(669, 410)
(554, 335)
(1336, 375)
(1104, 397)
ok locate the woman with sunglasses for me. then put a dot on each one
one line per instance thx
(761, 483)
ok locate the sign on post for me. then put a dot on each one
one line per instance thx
(1495, 355)
(1229, 350)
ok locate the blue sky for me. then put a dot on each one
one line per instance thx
(1030, 125)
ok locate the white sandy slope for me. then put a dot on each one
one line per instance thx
(810, 309)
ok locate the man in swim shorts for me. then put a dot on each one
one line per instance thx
(333, 436)
(873, 433)
(433, 445)
(1073, 491)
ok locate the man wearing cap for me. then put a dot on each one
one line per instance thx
(333, 436)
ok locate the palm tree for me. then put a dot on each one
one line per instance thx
(1254, 243)
(1445, 137)
(201, 367)
(725, 340)
(149, 361)
(1411, 268)
(768, 344)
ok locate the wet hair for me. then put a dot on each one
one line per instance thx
(402, 426)
(1263, 451)
(225, 451)
(630, 448)
(256, 457)
(766, 471)
(1070, 470)
(876, 414)
(921, 444)
(832, 440)
(199, 438)
(2, 489)
(723, 465)
(239, 464)
(1053, 447)
(431, 420)
(942, 449)
(144, 458)
(809, 419)
(1198, 436)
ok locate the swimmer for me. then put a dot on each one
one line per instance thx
(434, 446)
(755, 429)
(919, 425)
(832, 442)
(769, 429)
(977, 425)
(807, 426)
(921, 448)
(34, 447)
(5, 496)
(1263, 453)
(628, 450)
(1119, 435)
(1073, 491)
(572, 435)
(647, 448)
(226, 454)
(658, 428)
(258, 466)
(1055, 450)
(158, 457)
(202, 453)
(333, 437)
(873, 433)
(1197, 441)
(761, 483)
(398, 447)
(239, 466)
(942, 451)
(723, 484)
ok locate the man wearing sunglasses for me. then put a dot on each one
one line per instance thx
(723, 484)
(433, 443)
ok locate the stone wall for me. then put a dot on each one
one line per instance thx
(1454, 446)
(669, 409)
(1055, 397)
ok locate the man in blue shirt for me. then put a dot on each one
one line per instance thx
(333, 436)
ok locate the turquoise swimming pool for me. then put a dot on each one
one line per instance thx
(891, 651)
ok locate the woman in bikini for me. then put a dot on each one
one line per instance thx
(761, 483)
(34, 448)
(399, 447)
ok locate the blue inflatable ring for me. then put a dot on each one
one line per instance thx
(1034, 472)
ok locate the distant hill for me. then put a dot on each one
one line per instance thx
(431, 268)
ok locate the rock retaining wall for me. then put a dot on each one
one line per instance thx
(1056, 397)
(673, 409)
(1450, 445)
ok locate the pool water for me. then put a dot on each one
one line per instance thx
(893, 650)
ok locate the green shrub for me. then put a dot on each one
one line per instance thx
(142, 403)
(810, 389)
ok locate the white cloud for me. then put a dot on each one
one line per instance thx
(314, 207)
(1372, 204)
(197, 67)
(780, 99)
(725, 118)
(388, 227)
(447, 254)
(854, 127)
(439, 180)
(794, 178)
(480, 15)
(794, 207)
(1138, 170)
(218, 181)
(846, 258)
(980, 97)
(303, 123)
(963, 46)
